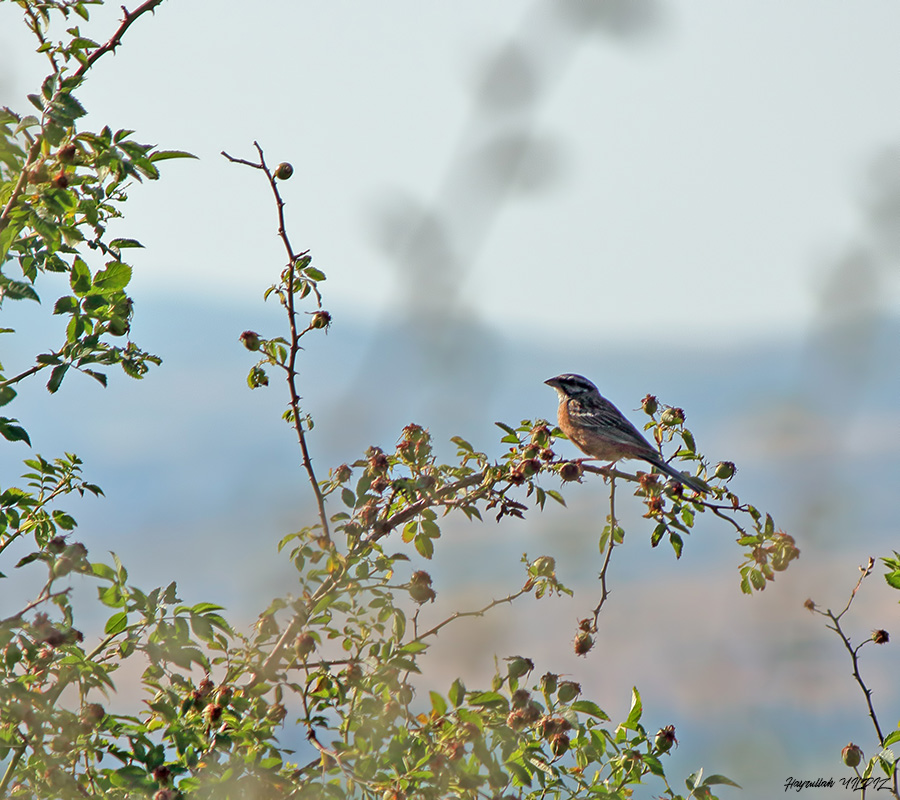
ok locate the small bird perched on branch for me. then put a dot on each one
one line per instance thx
(600, 430)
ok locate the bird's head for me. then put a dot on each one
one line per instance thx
(571, 385)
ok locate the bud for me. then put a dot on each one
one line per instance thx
(540, 435)
(56, 545)
(672, 416)
(544, 566)
(568, 691)
(519, 666)
(551, 726)
(162, 774)
(547, 454)
(67, 153)
(212, 712)
(342, 473)
(378, 461)
(224, 695)
(61, 180)
(559, 744)
(583, 643)
(516, 476)
(724, 470)
(380, 484)
(321, 319)
(665, 739)
(880, 636)
(530, 466)
(549, 682)
(420, 587)
(283, 171)
(304, 644)
(92, 714)
(520, 698)
(277, 712)
(851, 755)
(353, 673)
(166, 794)
(649, 404)
(809, 604)
(516, 720)
(571, 471)
(250, 340)
(530, 452)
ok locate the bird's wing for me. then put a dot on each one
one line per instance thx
(604, 419)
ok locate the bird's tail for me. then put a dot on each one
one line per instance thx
(688, 480)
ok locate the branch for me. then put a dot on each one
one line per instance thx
(613, 525)
(116, 39)
(854, 651)
(291, 365)
(479, 613)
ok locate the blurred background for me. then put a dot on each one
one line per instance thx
(693, 199)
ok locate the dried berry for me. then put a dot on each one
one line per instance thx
(283, 171)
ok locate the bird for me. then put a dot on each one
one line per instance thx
(600, 430)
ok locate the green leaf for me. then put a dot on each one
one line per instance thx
(590, 708)
(891, 738)
(714, 780)
(12, 432)
(121, 244)
(457, 692)
(489, 699)
(677, 543)
(637, 708)
(7, 395)
(314, 274)
(115, 277)
(424, 546)
(80, 277)
(17, 290)
(521, 775)
(163, 155)
(116, 623)
(65, 305)
(438, 704)
(348, 497)
(56, 377)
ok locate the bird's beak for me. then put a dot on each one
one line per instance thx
(552, 382)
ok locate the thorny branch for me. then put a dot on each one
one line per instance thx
(296, 333)
(112, 43)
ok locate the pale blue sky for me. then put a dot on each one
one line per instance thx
(696, 171)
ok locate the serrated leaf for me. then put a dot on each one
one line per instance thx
(424, 546)
(12, 432)
(115, 277)
(164, 155)
(590, 708)
(56, 377)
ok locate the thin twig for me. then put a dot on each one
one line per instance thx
(294, 349)
(116, 39)
(854, 651)
(613, 525)
(479, 613)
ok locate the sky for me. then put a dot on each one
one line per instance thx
(693, 198)
(698, 161)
